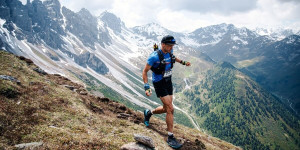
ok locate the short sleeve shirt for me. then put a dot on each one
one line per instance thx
(153, 61)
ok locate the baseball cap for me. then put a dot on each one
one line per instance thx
(169, 40)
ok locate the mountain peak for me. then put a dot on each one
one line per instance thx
(111, 20)
(84, 11)
(152, 30)
(278, 33)
(225, 64)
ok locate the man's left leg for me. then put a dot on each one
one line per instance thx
(168, 108)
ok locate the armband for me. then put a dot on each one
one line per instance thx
(183, 62)
(146, 86)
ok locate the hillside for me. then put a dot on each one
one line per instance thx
(41, 107)
(231, 106)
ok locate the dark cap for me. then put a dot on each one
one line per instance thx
(168, 40)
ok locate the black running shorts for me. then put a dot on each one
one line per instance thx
(163, 87)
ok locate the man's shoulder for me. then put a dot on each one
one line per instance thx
(154, 54)
(153, 58)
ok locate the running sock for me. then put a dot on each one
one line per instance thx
(170, 133)
(151, 112)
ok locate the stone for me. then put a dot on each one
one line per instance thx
(144, 140)
(32, 145)
(83, 92)
(39, 70)
(135, 146)
(70, 87)
(10, 78)
(123, 115)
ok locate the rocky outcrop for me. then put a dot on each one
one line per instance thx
(90, 60)
(112, 21)
(4, 10)
(38, 21)
(47, 22)
(83, 25)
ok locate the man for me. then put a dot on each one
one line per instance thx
(161, 77)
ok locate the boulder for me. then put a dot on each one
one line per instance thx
(144, 140)
(70, 87)
(39, 70)
(33, 145)
(10, 78)
(135, 146)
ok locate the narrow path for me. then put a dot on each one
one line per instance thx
(195, 124)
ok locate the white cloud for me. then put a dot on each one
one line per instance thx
(188, 15)
(216, 6)
(136, 12)
(95, 6)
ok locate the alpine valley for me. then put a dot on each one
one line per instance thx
(243, 85)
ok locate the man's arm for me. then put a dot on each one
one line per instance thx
(145, 78)
(145, 71)
(182, 62)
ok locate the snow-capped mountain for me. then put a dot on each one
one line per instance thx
(225, 42)
(63, 42)
(153, 31)
(275, 33)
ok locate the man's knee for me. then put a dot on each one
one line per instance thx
(170, 109)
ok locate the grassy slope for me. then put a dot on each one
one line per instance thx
(41, 108)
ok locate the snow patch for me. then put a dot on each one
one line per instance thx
(189, 42)
(2, 21)
(236, 38)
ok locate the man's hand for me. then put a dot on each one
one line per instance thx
(188, 64)
(185, 63)
(148, 91)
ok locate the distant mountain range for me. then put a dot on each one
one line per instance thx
(108, 58)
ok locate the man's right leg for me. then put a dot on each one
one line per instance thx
(166, 108)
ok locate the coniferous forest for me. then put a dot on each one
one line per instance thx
(231, 106)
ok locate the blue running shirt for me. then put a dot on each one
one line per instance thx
(153, 60)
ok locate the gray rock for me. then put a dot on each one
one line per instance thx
(32, 145)
(41, 71)
(83, 93)
(144, 140)
(69, 87)
(112, 21)
(135, 146)
(123, 115)
(10, 78)
(92, 61)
